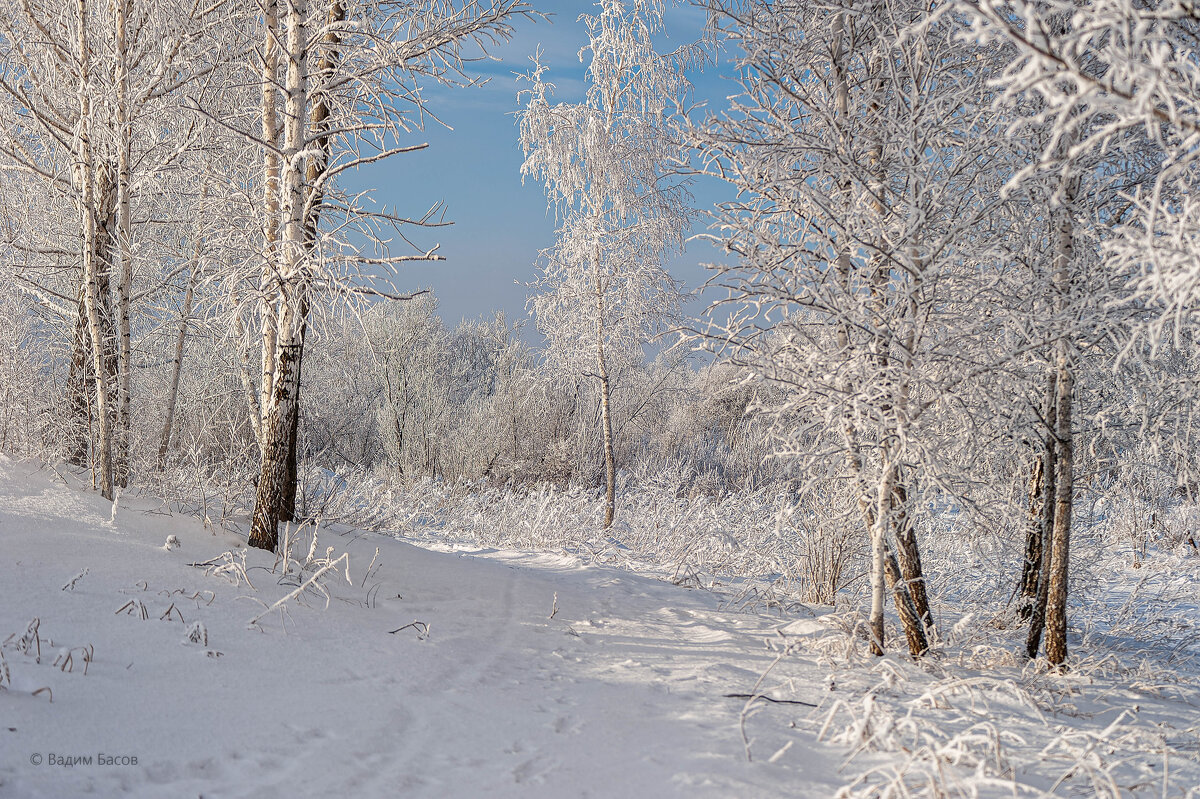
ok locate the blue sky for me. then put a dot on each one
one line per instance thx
(474, 169)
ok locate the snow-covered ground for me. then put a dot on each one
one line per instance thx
(441, 671)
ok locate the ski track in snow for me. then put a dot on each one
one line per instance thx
(620, 694)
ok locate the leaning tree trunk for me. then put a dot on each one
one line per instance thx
(885, 571)
(906, 578)
(899, 580)
(872, 519)
(877, 515)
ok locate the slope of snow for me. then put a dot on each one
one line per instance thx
(620, 694)
(508, 674)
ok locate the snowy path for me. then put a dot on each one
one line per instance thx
(620, 694)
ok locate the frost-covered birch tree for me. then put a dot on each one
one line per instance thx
(340, 90)
(861, 149)
(1105, 84)
(606, 164)
(88, 92)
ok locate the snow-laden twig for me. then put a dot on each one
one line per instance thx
(70, 584)
(230, 565)
(311, 581)
(197, 634)
(30, 642)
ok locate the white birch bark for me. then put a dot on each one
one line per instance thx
(1064, 488)
(124, 232)
(268, 283)
(93, 301)
(279, 416)
(177, 362)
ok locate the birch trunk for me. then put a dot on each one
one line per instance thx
(270, 497)
(909, 554)
(905, 578)
(268, 308)
(879, 558)
(915, 631)
(1041, 508)
(177, 364)
(850, 438)
(317, 162)
(93, 267)
(1031, 565)
(610, 470)
(250, 388)
(123, 233)
(287, 511)
(1045, 521)
(280, 412)
(1064, 489)
(79, 406)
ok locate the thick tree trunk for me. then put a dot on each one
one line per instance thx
(270, 497)
(99, 319)
(911, 618)
(915, 630)
(268, 284)
(310, 214)
(100, 324)
(91, 198)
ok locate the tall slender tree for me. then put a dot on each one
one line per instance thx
(606, 164)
